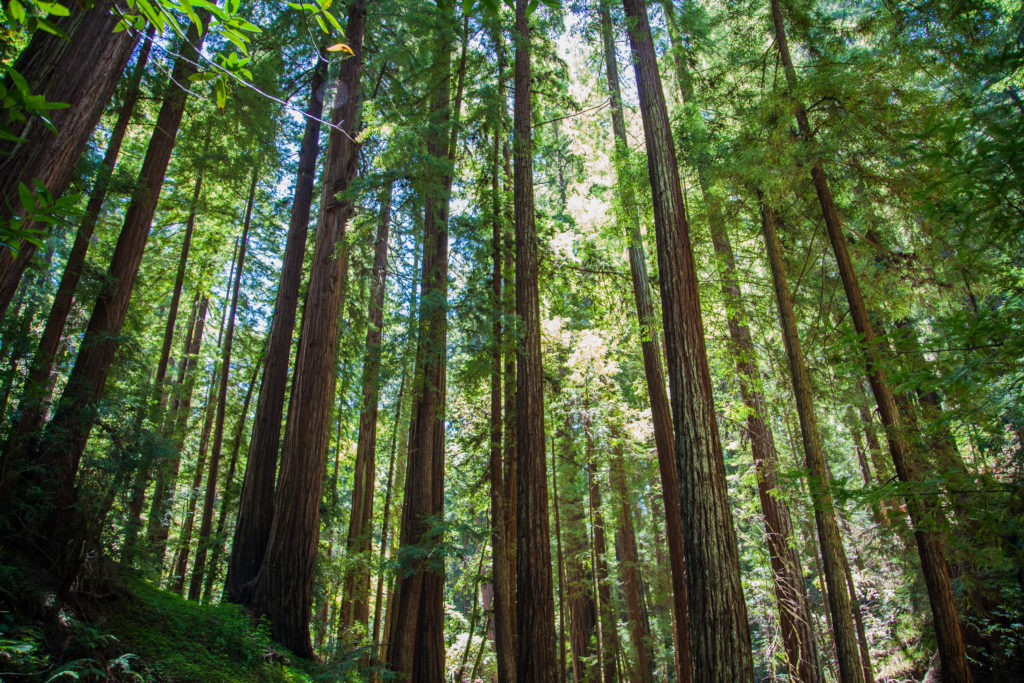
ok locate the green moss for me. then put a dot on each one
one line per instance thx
(178, 640)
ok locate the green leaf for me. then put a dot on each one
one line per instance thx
(17, 11)
(28, 201)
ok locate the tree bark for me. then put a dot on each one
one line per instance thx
(720, 647)
(501, 569)
(35, 397)
(156, 409)
(609, 641)
(284, 585)
(661, 415)
(629, 573)
(416, 646)
(255, 505)
(832, 553)
(206, 527)
(82, 74)
(181, 410)
(952, 650)
(535, 612)
(355, 606)
(64, 440)
(227, 498)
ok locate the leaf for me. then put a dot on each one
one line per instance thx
(25, 195)
(468, 6)
(340, 47)
(17, 11)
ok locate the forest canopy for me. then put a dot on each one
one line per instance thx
(512, 341)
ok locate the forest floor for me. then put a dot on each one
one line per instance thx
(124, 629)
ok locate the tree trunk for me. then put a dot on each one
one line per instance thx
(255, 505)
(502, 571)
(385, 527)
(608, 644)
(629, 573)
(355, 607)
(561, 564)
(81, 73)
(535, 611)
(922, 510)
(181, 411)
(720, 647)
(66, 435)
(35, 398)
(284, 585)
(832, 554)
(416, 647)
(135, 503)
(199, 566)
(657, 396)
(227, 498)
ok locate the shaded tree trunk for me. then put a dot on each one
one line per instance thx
(535, 611)
(255, 505)
(720, 647)
(609, 641)
(181, 411)
(142, 477)
(832, 553)
(81, 73)
(355, 606)
(227, 499)
(284, 584)
(206, 527)
(66, 435)
(922, 510)
(629, 573)
(35, 397)
(416, 645)
(650, 348)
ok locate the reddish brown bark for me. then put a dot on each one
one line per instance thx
(416, 646)
(535, 612)
(922, 509)
(82, 74)
(650, 348)
(720, 647)
(629, 572)
(227, 498)
(181, 409)
(255, 505)
(66, 435)
(355, 606)
(209, 502)
(832, 553)
(284, 585)
(35, 398)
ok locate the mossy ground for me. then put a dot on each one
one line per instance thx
(132, 631)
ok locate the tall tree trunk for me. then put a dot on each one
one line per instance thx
(501, 568)
(609, 641)
(561, 563)
(416, 646)
(720, 647)
(629, 572)
(385, 525)
(657, 396)
(36, 396)
(181, 411)
(535, 610)
(355, 606)
(832, 553)
(284, 584)
(66, 435)
(952, 651)
(81, 73)
(156, 409)
(227, 499)
(255, 505)
(206, 527)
